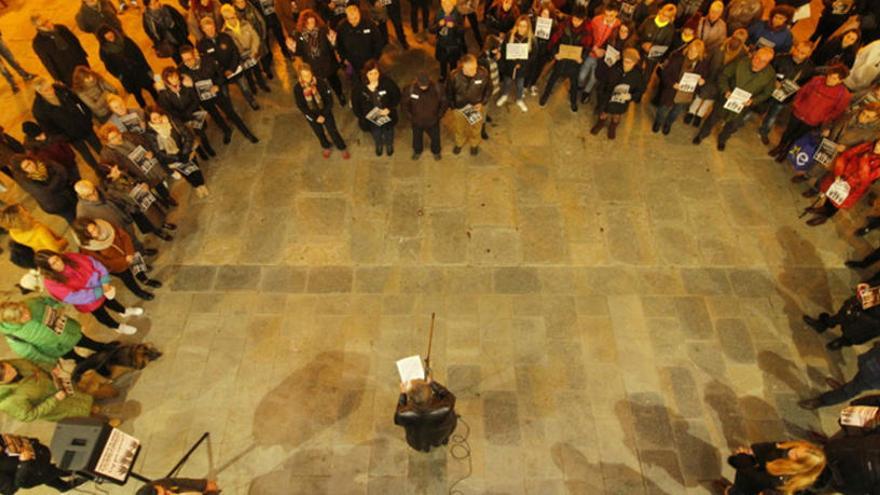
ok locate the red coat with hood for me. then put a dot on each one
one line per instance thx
(818, 104)
(859, 166)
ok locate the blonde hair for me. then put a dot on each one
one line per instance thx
(529, 35)
(698, 45)
(799, 473)
(16, 217)
(11, 311)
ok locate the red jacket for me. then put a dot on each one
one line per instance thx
(859, 166)
(817, 104)
(601, 32)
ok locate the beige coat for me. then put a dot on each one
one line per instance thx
(247, 40)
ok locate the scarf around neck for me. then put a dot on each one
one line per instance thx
(106, 236)
(165, 139)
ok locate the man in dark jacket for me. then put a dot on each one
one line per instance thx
(573, 32)
(221, 47)
(26, 463)
(173, 486)
(48, 184)
(95, 14)
(424, 103)
(58, 49)
(866, 378)
(60, 112)
(857, 324)
(9, 148)
(358, 39)
(123, 59)
(166, 27)
(203, 71)
(426, 410)
(795, 67)
(467, 91)
(754, 76)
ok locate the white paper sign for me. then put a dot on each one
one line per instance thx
(411, 368)
(612, 55)
(825, 152)
(375, 116)
(621, 94)
(838, 192)
(657, 51)
(737, 100)
(804, 12)
(785, 90)
(858, 415)
(765, 43)
(543, 27)
(688, 82)
(472, 115)
(517, 51)
(204, 89)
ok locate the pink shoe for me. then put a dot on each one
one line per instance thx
(326, 153)
(346, 155)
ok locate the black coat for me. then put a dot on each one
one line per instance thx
(831, 52)
(507, 67)
(129, 66)
(9, 148)
(182, 105)
(387, 95)
(184, 138)
(425, 107)
(72, 118)
(614, 78)
(320, 57)
(431, 424)
(176, 33)
(60, 52)
(751, 473)
(671, 74)
(326, 100)
(15, 474)
(359, 44)
(223, 49)
(54, 195)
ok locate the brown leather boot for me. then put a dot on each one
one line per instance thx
(598, 127)
(612, 130)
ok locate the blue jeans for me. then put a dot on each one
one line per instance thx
(850, 389)
(666, 114)
(520, 82)
(772, 114)
(587, 74)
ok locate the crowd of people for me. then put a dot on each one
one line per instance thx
(708, 63)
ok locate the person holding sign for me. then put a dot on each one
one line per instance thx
(314, 98)
(136, 201)
(854, 171)
(858, 318)
(374, 101)
(467, 91)
(792, 70)
(544, 15)
(519, 55)
(819, 103)
(684, 72)
(603, 26)
(568, 45)
(248, 42)
(744, 84)
(425, 409)
(618, 86)
(110, 245)
(449, 29)
(175, 146)
(655, 35)
(773, 33)
(135, 154)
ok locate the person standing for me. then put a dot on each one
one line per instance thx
(623, 83)
(38, 330)
(93, 15)
(795, 67)
(468, 10)
(742, 13)
(673, 98)
(166, 28)
(449, 28)
(221, 47)
(426, 410)
(467, 91)
(382, 11)
(603, 28)
(573, 32)
(84, 282)
(840, 49)
(93, 203)
(754, 76)
(374, 101)
(248, 42)
(273, 24)
(858, 167)
(858, 325)
(205, 76)
(314, 98)
(24, 230)
(92, 89)
(48, 184)
(248, 13)
(58, 49)
(500, 17)
(415, 8)
(656, 34)
(150, 217)
(424, 103)
(30, 467)
(867, 377)
(60, 112)
(712, 28)
(773, 33)
(175, 146)
(123, 59)
(312, 43)
(513, 71)
(357, 39)
(7, 55)
(137, 156)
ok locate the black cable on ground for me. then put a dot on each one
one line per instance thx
(460, 450)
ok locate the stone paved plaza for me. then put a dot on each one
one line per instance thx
(614, 317)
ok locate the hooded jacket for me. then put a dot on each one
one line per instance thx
(47, 336)
(32, 397)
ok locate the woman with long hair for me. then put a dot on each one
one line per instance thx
(543, 9)
(374, 101)
(176, 146)
(514, 71)
(84, 283)
(27, 232)
(840, 49)
(786, 467)
(315, 100)
(110, 245)
(314, 47)
(729, 52)
(93, 90)
(674, 99)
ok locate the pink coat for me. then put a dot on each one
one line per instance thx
(83, 287)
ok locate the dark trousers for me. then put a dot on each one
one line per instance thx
(330, 125)
(255, 78)
(666, 114)
(222, 102)
(131, 284)
(383, 135)
(794, 130)
(138, 89)
(87, 343)
(433, 133)
(82, 147)
(535, 69)
(205, 144)
(274, 25)
(732, 125)
(448, 61)
(336, 84)
(475, 27)
(850, 389)
(567, 69)
(397, 22)
(417, 6)
(104, 317)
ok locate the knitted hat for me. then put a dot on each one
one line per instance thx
(31, 129)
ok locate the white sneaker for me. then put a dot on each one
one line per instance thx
(501, 101)
(134, 311)
(522, 105)
(534, 90)
(126, 329)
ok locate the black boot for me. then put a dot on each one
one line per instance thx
(612, 130)
(819, 325)
(855, 264)
(688, 118)
(389, 149)
(250, 137)
(697, 121)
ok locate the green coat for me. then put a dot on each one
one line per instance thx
(739, 74)
(37, 341)
(33, 397)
